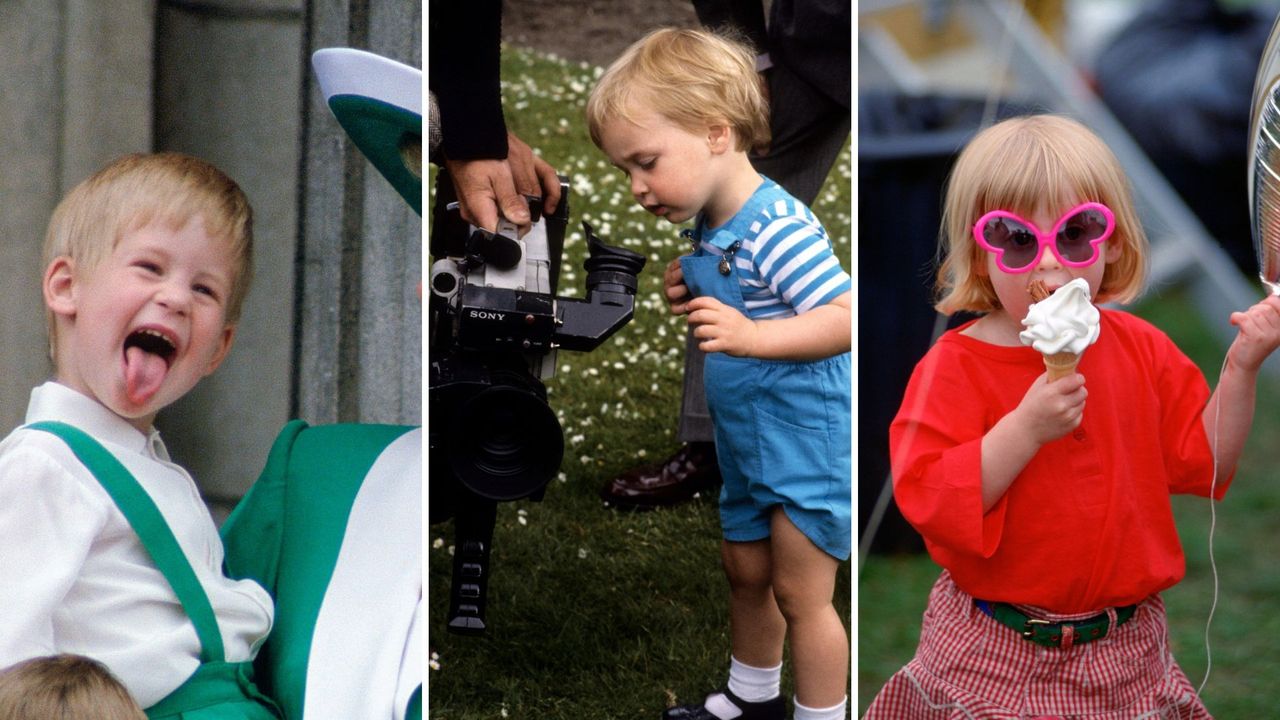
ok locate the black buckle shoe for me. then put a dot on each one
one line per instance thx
(773, 709)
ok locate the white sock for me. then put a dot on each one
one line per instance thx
(835, 712)
(720, 706)
(754, 684)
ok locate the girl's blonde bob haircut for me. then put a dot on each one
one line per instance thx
(137, 190)
(693, 78)
(1024, 165)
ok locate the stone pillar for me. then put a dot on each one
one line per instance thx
(228, 78)
(75, 91)
(107, 84)
(359, 339)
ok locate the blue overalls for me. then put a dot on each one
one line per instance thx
(783, 428)
(218, 690)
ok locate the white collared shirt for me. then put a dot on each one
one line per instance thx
(75, 578)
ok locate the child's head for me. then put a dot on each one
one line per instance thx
(673, 112)
(160, 188)
(693, 78)
(1039, 164)
(64, 686)
(147, 265)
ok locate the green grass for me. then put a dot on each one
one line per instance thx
(892, 590)
(595, 613)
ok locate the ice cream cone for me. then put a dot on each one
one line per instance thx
(1060, 365)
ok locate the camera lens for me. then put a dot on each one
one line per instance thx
(507, 443)
(444, 283)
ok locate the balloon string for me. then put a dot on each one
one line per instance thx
(1213, 524)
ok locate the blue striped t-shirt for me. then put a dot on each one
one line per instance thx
(786, 265)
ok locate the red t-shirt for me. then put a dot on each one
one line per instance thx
(1088, 523)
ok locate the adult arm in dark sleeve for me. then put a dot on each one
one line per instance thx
(813, 38)
(464, 75)
(490, 168)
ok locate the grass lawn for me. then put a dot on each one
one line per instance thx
(892, 590)
(595, 613)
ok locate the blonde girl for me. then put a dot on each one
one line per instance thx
(1047, 503)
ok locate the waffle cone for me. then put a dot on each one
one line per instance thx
(1060, 365)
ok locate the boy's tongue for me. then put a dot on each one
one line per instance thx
(143, 373)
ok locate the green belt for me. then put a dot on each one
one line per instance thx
(1055, 634)
(217, 690)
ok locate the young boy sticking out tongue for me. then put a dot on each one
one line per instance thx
(109, 550)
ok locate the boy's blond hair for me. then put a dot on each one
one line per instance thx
(1026, 164)
(64, 686)
(142, 189)
(692, 78)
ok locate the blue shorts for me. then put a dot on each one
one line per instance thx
(785, 441)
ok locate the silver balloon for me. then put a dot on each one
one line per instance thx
(1264, 163)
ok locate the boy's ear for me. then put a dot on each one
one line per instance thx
(224, 346)
(59, 287)
(720, 139)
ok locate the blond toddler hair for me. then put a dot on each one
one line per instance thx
(693, 78)
(64, 687)
(137, 190)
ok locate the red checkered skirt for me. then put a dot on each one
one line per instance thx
(969, 666)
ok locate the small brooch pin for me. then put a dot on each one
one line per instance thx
(728, 257)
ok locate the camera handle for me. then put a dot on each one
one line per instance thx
(500, 250)
(472, 537)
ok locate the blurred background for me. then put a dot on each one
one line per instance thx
(1167, 85)
(332, 328)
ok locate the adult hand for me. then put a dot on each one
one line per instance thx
(533, 175)
(488, 187)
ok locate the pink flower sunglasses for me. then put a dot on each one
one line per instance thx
(1018, 244)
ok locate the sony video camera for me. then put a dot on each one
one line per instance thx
(495, 326)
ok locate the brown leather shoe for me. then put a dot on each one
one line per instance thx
(692, 469)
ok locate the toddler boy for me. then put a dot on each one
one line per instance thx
(110, 551)
(770, 305)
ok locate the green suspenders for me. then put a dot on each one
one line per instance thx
(215, 677)
(218, 690)
(149, 524)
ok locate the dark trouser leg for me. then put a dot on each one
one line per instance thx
(695, 418)
(692, 469)
(808, 129)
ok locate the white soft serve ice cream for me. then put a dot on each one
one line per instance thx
(1066, 321)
